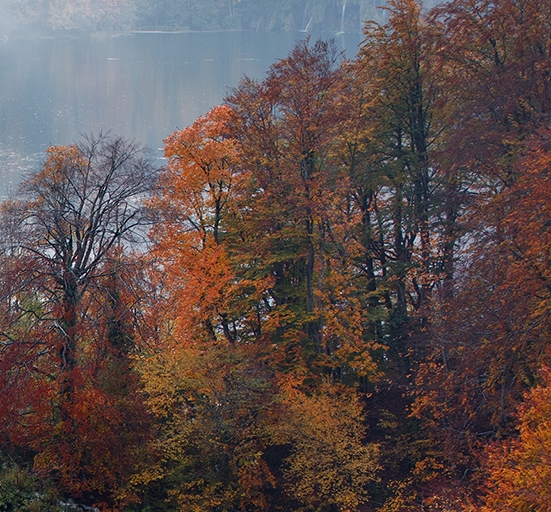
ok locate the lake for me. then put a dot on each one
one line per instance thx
(142, 86)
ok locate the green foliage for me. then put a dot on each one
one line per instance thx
(24, 491)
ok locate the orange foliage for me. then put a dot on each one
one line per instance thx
(198, 191)
(519, 470)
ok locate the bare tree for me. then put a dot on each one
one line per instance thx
(66, 275)
(67, 221)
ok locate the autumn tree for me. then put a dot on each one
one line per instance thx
(197, 195)
(405, 228)
(298, 226)
(487, 343)
(322, 430)
(397, 69)
(210, 393)
(212, 406)
(518, 467)
(65, 235)
(296, 211)
(243, 202)
(497, 57)
(71, 218)
(492, 338)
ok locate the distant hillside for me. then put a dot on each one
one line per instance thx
(261, 15)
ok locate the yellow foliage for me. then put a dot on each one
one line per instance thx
(211, 406)
(330, 463)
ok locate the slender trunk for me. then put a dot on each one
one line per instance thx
(67, 345)
(366, 198)
(68, 323)
(400, 251)
(312, 323)
(418, 123)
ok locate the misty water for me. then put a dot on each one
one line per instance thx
(142, 86)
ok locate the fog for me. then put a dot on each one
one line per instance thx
(141, 68)
(70, 17)
(7, 22)
(142, 86)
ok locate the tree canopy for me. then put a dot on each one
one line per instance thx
(333, 297)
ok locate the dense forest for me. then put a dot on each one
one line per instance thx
(69, 16)
(335, 296)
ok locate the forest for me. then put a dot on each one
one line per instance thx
(334, 297)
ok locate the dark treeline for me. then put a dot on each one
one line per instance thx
(334, 297)
(64, 16)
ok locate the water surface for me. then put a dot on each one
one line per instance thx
(142, 86)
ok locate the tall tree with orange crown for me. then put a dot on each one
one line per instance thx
(248, 203)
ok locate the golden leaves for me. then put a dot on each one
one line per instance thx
(329, 464)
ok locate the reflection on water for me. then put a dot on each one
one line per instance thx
(142, 86)
(13, 166)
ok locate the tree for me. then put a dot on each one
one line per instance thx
(196, 198)
(496, 61)
(491, 338)
(293, 212)
(396, 68)
(84, 204)
(488, 47)
(66, 233)
(322, 428)
(252, 273)
(519, 468)
(212, 406)
(210, 390)
(406, 223)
